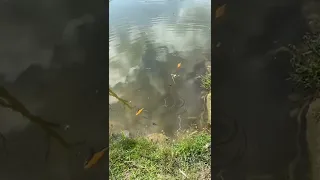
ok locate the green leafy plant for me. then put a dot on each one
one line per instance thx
(206, 81)
(306, 63)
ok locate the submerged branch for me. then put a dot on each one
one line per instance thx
(125, 102)
(8, 101)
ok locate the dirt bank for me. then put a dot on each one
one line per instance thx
(313, 138)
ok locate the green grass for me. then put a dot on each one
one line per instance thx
(206, 81)
(138, 158)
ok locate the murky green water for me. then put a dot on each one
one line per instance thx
(147, 41)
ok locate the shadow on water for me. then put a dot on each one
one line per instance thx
(250, 86)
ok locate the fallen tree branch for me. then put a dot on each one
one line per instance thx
(8, 101)
(125, 102)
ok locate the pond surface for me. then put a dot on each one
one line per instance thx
(53, 60)
(148, 40)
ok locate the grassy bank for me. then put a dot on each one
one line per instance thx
(306, 76)
(306, 63)
(186, 157)
(206, 81)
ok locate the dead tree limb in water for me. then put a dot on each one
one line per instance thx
(125, 102)
(10, 102)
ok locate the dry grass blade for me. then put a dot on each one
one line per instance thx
(184, 174)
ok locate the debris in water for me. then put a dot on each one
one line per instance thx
(165, 103)
(66, 127)
(220, 11)
(139, 111)
(218, 44)
(173, 76)
(154, 124)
